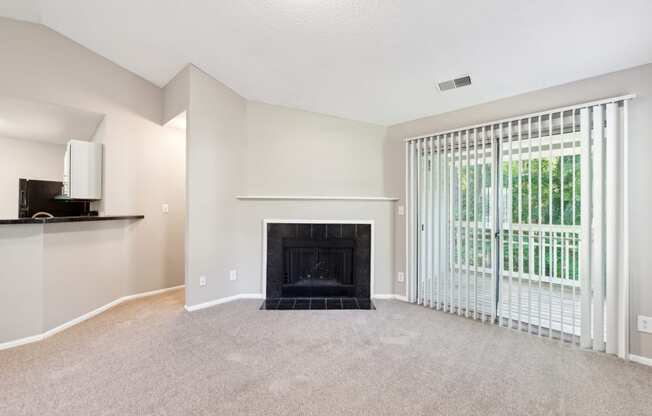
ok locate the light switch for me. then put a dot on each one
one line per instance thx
(233, 275)
(401, 210)
(401, 276)
(165, 208)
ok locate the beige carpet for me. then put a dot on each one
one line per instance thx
(150, 357)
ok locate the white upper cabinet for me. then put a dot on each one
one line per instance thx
(82, 177)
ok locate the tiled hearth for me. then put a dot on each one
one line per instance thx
(317, 304)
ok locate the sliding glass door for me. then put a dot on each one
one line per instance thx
(540, 225)
(511, 223)
(455, 209)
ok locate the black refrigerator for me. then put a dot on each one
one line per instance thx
(39, 196)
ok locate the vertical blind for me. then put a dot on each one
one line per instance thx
(522, 223)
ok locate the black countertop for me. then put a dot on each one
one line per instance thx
(70, 219)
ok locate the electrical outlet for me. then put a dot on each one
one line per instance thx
(202, 280)
(401, 210)
(401, 276)
(165, 208)
(233, 275)
(645, 324)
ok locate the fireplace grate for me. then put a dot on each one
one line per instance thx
(317, 304)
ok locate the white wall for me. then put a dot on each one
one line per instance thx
(85, 265)
(294, 152)
(635, 80)
(215, 136)
(21, 279)
(176, 94)
(26, 159)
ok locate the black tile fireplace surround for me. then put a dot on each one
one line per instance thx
(323, 262)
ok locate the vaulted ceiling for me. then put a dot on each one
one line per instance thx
(369, 60)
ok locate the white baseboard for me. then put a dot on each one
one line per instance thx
(641, 360)
(83, 318)
(390, 296)
(94, 312)
(387, 296)
(21, 341)
(150, 293)
(219, 301)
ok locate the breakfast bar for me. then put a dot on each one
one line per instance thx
(56, 270)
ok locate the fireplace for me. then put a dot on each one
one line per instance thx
(318, 264)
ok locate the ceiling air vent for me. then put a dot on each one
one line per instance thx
(455, 83)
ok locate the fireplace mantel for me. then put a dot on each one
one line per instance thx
(315, 198)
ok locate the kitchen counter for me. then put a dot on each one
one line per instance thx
(69, 219)
(59, 269)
